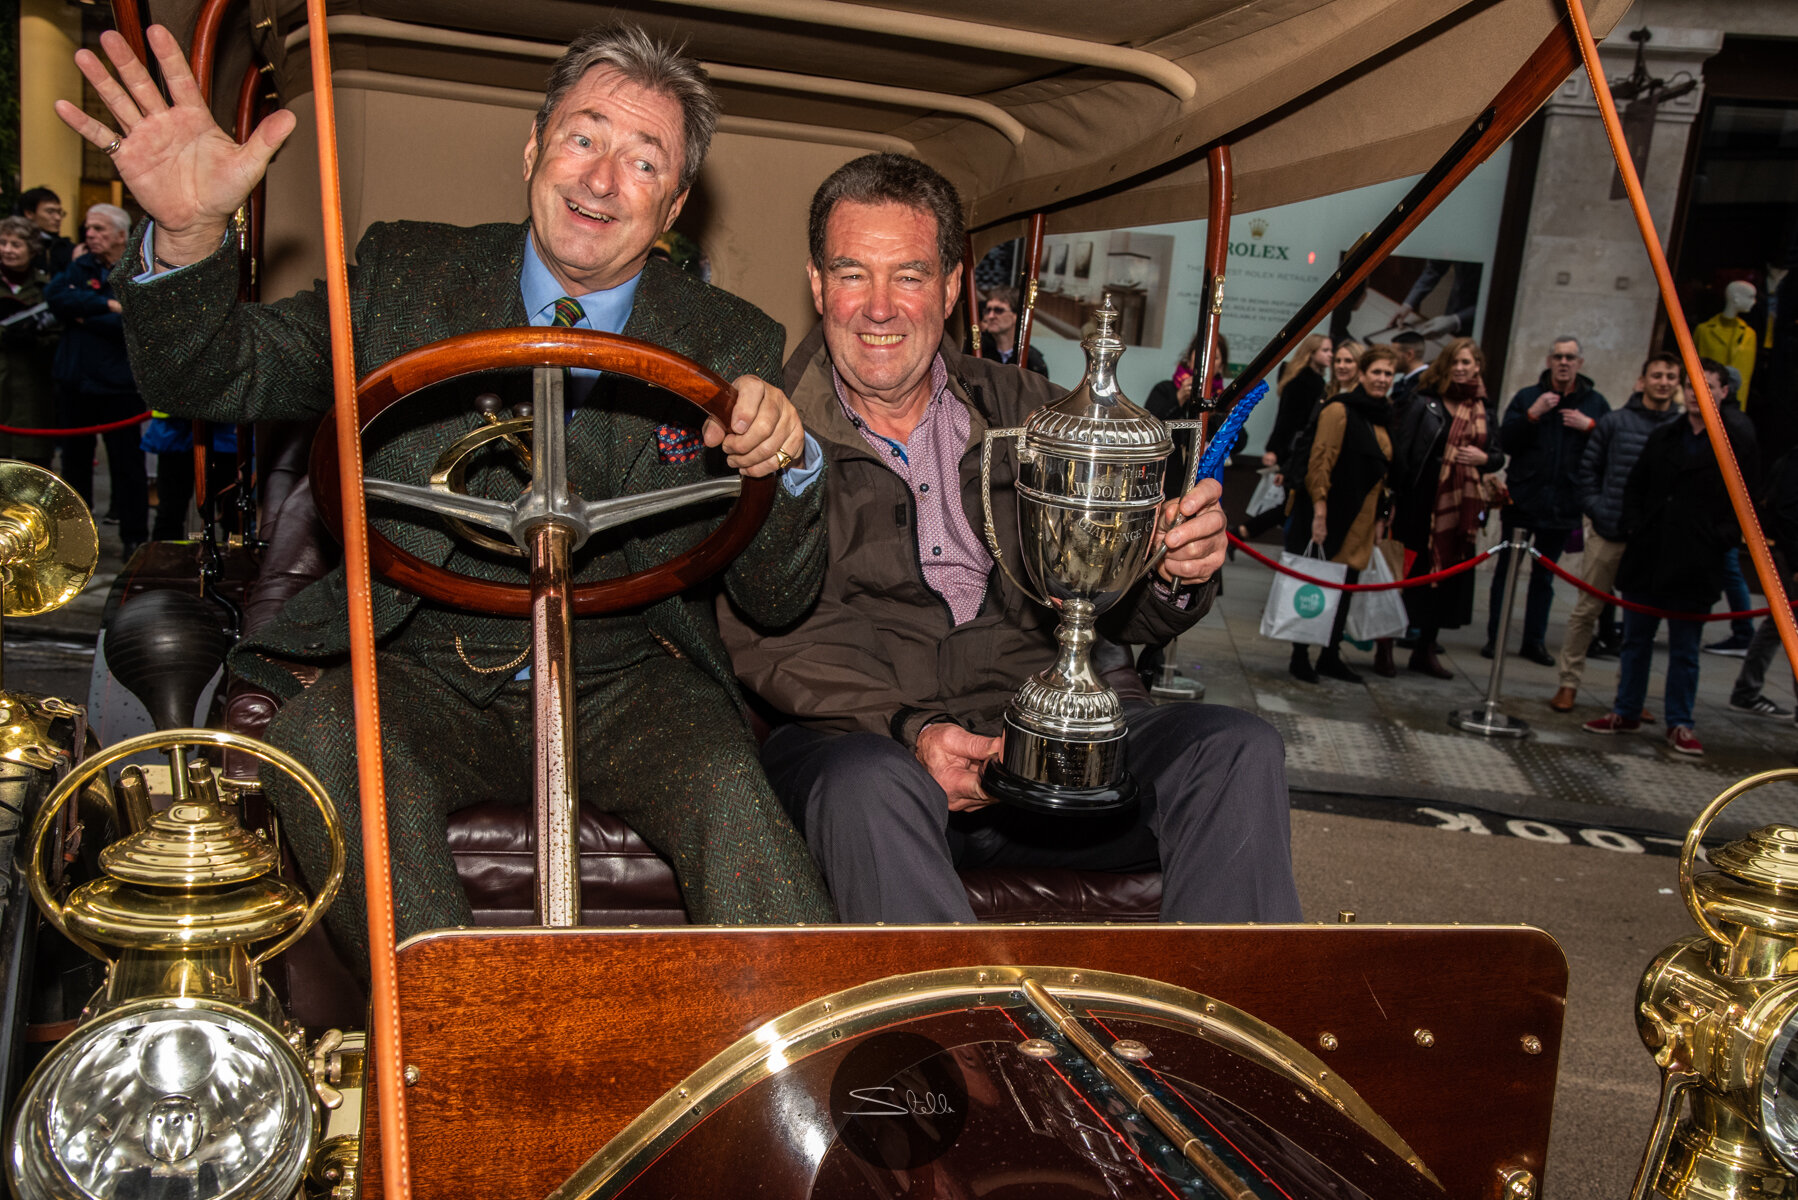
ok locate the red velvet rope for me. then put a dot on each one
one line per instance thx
(1620, 602)
(1477, 559)
(106, 428)
(1415, 581)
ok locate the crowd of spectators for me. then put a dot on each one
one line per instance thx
(63, 366)
(1382, 452)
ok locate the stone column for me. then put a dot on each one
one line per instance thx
(1584, 270)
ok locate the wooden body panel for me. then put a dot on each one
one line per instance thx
(535, 1047)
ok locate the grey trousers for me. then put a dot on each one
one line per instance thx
(1214, 819)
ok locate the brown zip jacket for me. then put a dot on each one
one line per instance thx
(879, 651)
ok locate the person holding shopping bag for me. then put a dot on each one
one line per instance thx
(1338, 504)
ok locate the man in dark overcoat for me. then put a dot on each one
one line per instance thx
(624, 126)
(1679, 524)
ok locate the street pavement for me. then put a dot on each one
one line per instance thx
(1404, 820)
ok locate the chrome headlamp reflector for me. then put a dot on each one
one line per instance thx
(1779, 1092)
(165, 1099)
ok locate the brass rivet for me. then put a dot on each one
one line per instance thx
(265, 23)
(1425, 1038)
(1131, 1049)
(410, 1074)
(1345, 916)
(1073, 979)
(683, 1093)
(1037, 1048)
(1532, 1044)
(1210, 1008)
(1328, 1041)
(827, 1006)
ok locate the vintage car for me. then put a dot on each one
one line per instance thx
(582, 1040)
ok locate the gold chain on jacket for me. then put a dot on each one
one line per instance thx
(511, 666)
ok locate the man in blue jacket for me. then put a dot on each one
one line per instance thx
(1544, 434)
(1611, 453)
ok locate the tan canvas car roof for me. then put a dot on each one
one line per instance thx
(1096, 111)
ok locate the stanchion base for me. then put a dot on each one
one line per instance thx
(1489, 722)
(1173, 686)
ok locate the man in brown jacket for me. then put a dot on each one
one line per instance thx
(897, 679)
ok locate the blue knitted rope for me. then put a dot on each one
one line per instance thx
(1211, 466)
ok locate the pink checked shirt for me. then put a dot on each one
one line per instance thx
(955, 562)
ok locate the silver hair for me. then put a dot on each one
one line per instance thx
(651, 65)
(113, 215)
(1568, 337)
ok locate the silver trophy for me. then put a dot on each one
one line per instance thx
(1089, 491)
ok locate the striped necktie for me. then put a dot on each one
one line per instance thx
(568, 313)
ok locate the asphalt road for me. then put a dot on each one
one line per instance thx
(1610, 912)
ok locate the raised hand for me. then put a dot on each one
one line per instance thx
(188, 174)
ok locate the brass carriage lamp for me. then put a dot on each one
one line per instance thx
(184, 1078)
(1720, 1012)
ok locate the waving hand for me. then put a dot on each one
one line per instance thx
(188, 174)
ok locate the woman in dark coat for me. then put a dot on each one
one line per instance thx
(1301, 390)
(27, 346)
(1340, 503)
(1446, 443)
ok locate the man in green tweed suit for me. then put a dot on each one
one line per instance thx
(623, 129)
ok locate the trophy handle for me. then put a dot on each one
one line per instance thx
(986, 504)
(1198, 450)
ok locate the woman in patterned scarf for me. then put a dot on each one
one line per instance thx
(1446, 443)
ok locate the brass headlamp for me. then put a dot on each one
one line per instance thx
(185, 1077)
(1720, 1013)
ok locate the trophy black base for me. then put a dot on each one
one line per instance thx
(1009, 787)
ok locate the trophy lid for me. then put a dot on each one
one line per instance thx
(1096, 420)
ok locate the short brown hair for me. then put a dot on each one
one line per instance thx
(1379, 352)
(651, 65)
(892, 179)
(1004, 294)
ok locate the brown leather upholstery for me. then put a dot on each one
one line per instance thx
(623, 881)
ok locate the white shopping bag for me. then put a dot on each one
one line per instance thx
(1268, 495)
(1299, 610)
(1374, 615)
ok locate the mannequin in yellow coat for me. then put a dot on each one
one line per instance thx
(1728, 338)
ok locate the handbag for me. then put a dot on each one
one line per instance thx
(1300, 610)
(1268, 495)
(1375, 615)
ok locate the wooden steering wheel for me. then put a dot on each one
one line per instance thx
(549, 498)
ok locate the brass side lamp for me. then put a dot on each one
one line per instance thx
(1720, 1013)
(48, 552)
(184, 1077)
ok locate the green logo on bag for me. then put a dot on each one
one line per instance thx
(1308, 601)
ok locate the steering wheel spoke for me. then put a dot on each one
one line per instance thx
(550, 497)
(472, 510)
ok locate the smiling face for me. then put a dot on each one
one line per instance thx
(15, 255)
(104, 240)
(604, 183)
(1344, 366)
(1376, 381)
(883, 295)
(1465, 368)
(1660, 383)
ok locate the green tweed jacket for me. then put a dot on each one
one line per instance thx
(197, 351)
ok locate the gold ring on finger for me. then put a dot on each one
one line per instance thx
(112, 147)
(782, 460)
